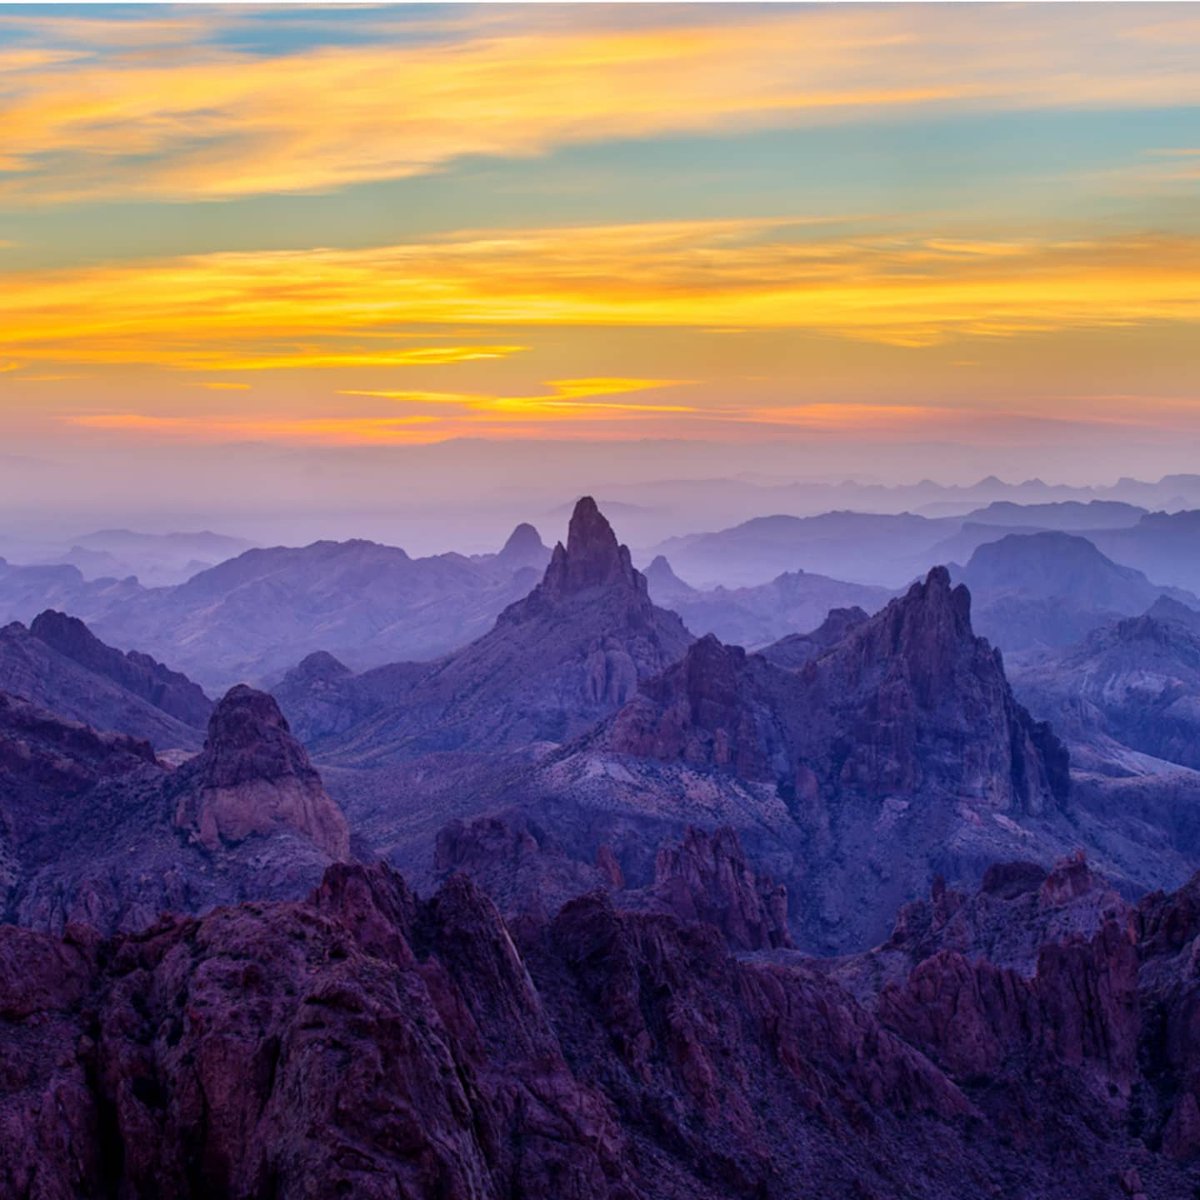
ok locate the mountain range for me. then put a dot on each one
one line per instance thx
(595, 902)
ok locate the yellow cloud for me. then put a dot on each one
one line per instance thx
(337, 308)
(568, 397)
(202, 119)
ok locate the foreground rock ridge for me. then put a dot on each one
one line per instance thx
(366, 1042)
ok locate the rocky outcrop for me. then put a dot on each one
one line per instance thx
(88, 829)
(704, 711)
(706, 877)
(170, 691)
(254, 778)
(387, 1046)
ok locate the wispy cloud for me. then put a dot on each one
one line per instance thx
(349, 308)
(204, 118)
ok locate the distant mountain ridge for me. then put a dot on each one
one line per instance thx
(254, 615)
(60, 665)
(1052, 588)
(794, 602)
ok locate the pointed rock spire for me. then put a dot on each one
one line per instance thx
(592, 556)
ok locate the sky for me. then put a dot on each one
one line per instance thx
(902, 238)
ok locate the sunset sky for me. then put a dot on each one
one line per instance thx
(360, 225)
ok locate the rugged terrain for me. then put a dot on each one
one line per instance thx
(1051, 589)
(366, 1042)
(59, 664)
(95, 828)
(554, 663)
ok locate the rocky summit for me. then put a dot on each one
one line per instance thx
(95, 828)
(569, 653)
(893, 753)
(252, 778)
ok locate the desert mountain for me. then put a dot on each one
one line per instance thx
(94, 827)
(1063, 515)
(870, 548)
(524, 548)
(256, 614)
(1134, 683)
(798, 648)
(253, 616)
(794, 602)
(157, 559)
(58, 664)
(26, 591)
(897, 752)
(556, 662)
(1166, 545)
(1051, 589)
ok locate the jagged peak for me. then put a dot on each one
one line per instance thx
(934, 600)
(592, 557)
(51, 625)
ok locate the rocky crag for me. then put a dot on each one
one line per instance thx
(95, 828)
(366, 1042)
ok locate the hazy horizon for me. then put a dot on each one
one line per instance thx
(262, 262)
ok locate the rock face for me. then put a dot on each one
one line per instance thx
(557, 661)
(253, 778)
(923, 702)
(386, 1046)
(706, 878)
(59, 665)
(909, 702)
(895, 754)
(88, 820)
